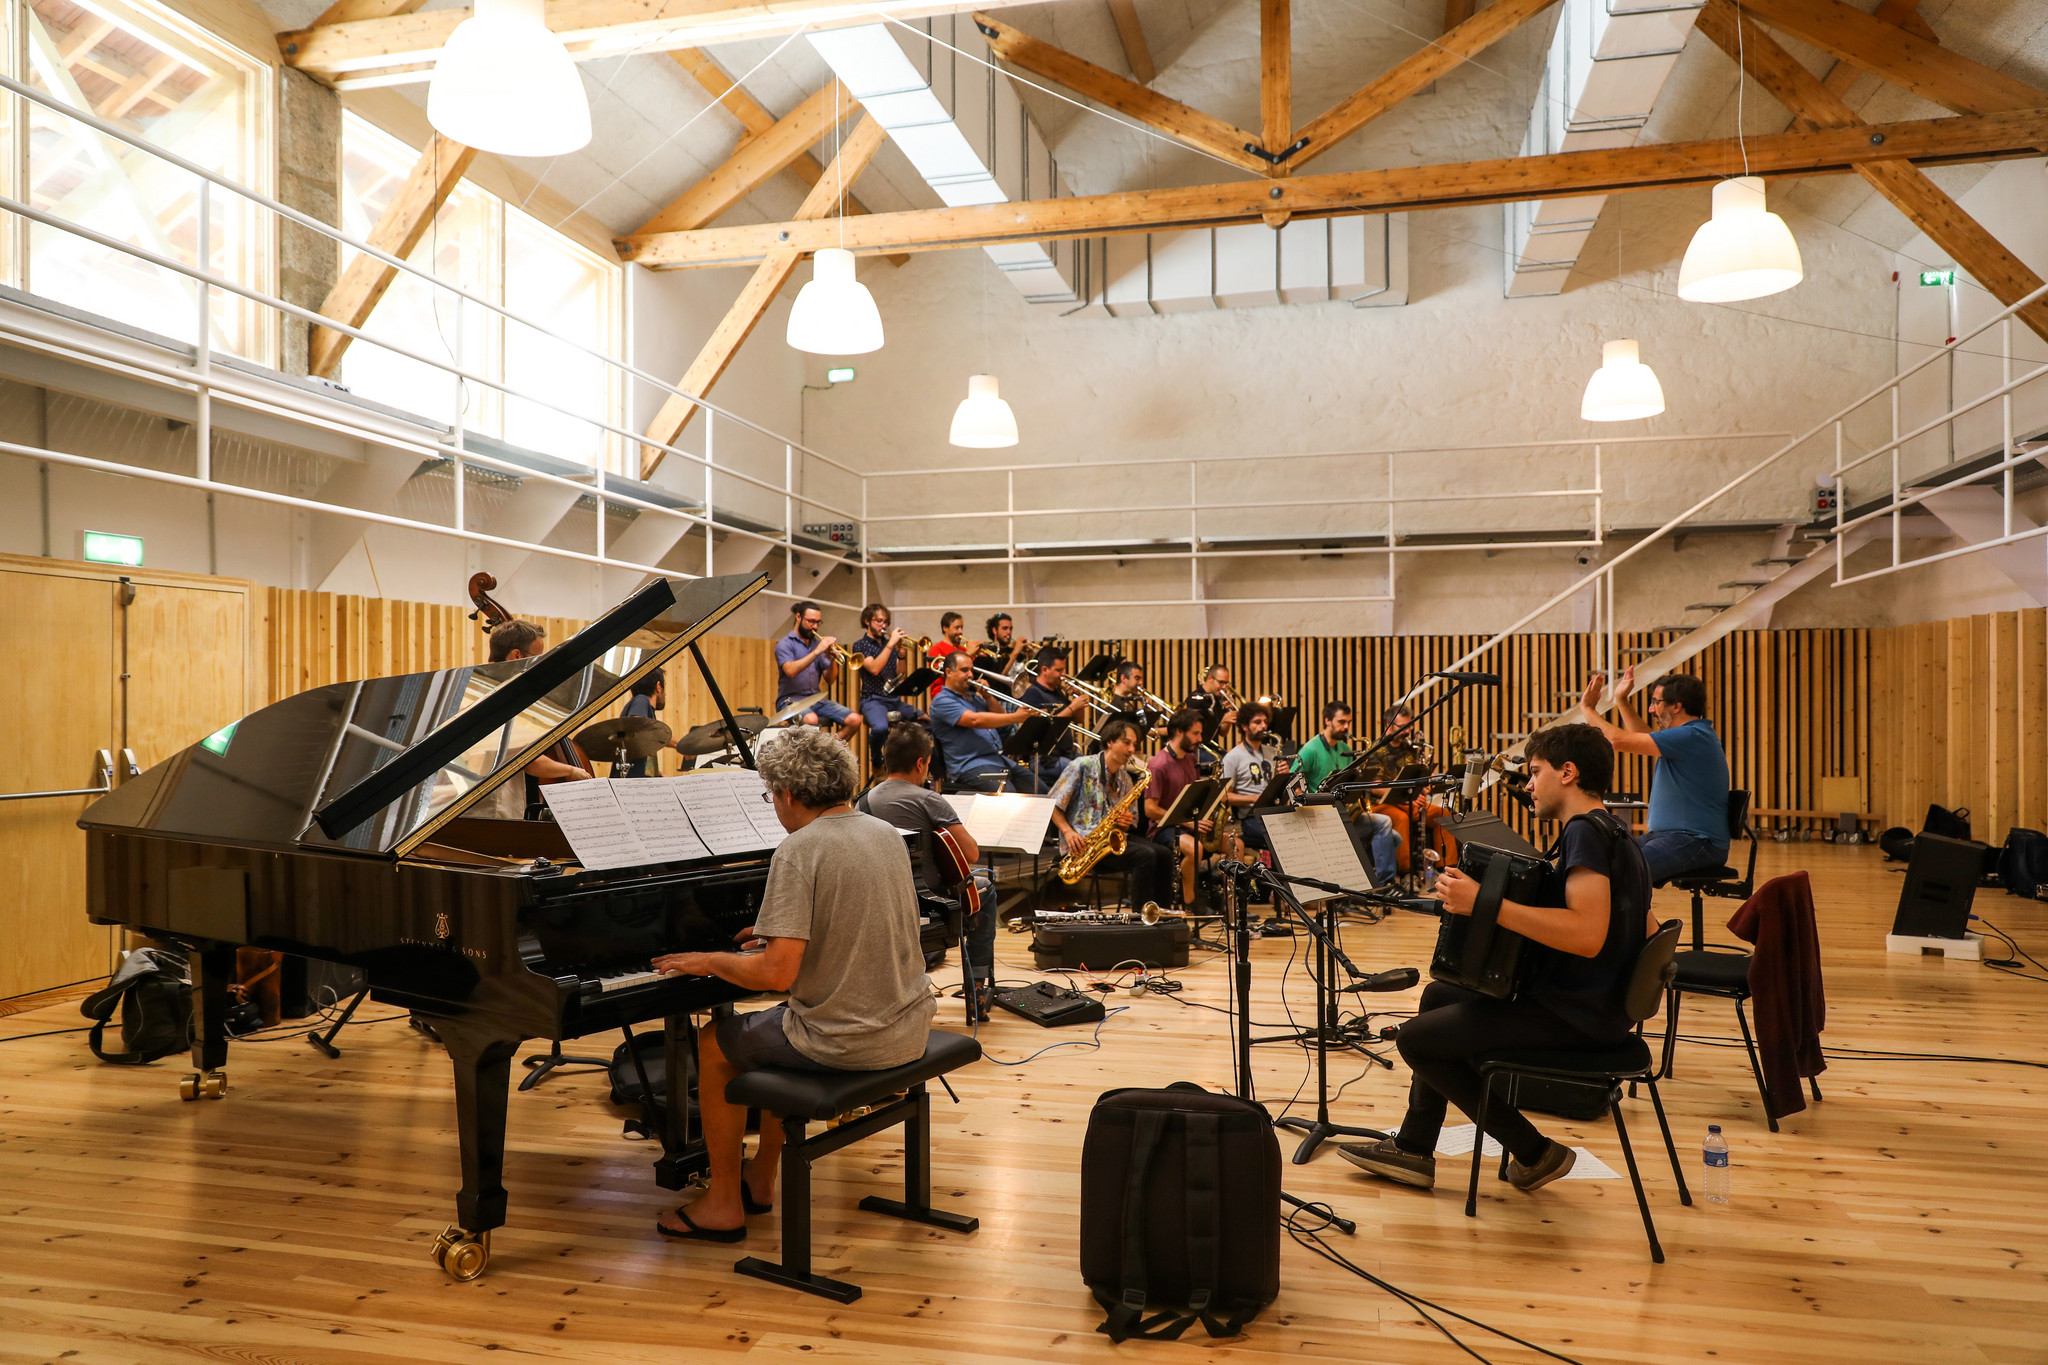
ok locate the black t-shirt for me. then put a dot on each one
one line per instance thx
(1587, 992)
(1045, 699)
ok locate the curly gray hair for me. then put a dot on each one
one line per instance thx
(811, 767)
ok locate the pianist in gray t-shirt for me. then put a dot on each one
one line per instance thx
(838, 931)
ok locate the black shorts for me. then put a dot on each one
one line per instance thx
(753, 1041)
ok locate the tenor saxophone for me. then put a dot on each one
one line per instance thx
(1106, 839)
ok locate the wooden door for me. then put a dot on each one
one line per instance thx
(57, 693)
(62, 642)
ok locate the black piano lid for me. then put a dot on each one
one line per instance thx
(377, 767)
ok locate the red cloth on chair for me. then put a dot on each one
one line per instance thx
(1784, 982)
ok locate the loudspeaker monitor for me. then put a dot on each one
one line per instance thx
(1941, 883)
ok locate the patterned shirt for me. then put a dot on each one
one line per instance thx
(1081, 794)
(868, 647)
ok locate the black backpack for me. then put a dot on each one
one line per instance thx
(2023, 863)
(1949, 824)
(154, 992)
(1180, 1207)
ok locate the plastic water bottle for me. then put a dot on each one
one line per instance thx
(1715, 1186)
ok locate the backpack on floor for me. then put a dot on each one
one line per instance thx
(153, 991)
(1949, 824)
(1180, 1209)
(2023, 863)
(1897, 843)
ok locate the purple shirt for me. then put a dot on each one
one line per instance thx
(788, 650)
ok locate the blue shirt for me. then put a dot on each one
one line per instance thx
(967, 750)
(1689, 793)
(788, 650)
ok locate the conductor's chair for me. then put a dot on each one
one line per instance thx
(799, 1098)
(1598, 1068)
(1724, 883)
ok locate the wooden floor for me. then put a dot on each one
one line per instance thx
(1901, 1220)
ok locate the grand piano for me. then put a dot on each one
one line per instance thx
(342, 824)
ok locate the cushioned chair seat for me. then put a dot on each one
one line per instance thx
(1620, 1060)
(1707, 877)
(825, 1094)
(1712, 971)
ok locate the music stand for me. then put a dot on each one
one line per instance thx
(1280, 722)
(1190, 801)
(1274, 795)
(917, 681)
(1098, 668)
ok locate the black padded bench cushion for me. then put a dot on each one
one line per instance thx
(1623, 1059)
(1686, 881)
(824, 1094)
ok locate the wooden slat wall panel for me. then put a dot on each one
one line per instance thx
(1959, 717)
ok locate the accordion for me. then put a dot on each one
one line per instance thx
(1472, 950)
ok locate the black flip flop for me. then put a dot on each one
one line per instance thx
(697, 1234)
(751, 1204)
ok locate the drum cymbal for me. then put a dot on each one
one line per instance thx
(794, 709)
(712, 736)
(640, 737)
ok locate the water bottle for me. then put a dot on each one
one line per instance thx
(1715, 1186)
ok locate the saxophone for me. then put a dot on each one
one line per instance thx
(1106, 839)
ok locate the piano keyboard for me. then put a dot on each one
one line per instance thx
(625, 979)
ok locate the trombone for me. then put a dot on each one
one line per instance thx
(1019, 702)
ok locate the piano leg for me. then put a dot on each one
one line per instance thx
(682, 1146)
(213, 971)
(483, 1079)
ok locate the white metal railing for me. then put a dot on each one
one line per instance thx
(1833, 428)
(1392, 538)
(209, 381)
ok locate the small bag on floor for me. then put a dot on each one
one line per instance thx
(1180, 1211)
(153, 991)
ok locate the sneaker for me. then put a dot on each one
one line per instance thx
(1555, 1165)
(1387, 1159)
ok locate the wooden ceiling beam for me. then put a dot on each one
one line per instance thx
(756, 120)
(755, 161)
(1926, 205)
(1131, 33)
(1903, 13)
(378, 49)
(1926, 68)
(1432, 63)
(350, 11)
(404, 222)
(1276, 76)
(1610, 171)
(760, 291)
(1196, 129)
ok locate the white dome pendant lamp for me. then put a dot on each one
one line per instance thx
(834, 314)
(1623, 389)
(505, 84)
(1743, 252)
(983, 421)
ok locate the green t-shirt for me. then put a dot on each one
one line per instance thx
(1318, 759)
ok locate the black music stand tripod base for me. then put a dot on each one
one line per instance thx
(1317, 1131)
(539, 1069)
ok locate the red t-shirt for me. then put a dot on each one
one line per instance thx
(938, 654)
(1170, 772)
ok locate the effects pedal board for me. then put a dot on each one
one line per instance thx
(1051, 1006)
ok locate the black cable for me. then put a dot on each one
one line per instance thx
(45, 990)
(1311, 1239)
(50, 1034)
(1869, 1054)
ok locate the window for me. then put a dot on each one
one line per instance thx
(486, 246)
(147, 71)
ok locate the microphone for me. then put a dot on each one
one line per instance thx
(1475, 775)
(1399, 979)
(1478, 679)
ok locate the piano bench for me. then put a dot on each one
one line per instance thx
(800, 1097)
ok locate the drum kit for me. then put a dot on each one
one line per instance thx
(631, 739)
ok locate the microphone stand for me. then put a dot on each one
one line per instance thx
(1238, 918)
(1344, 775)
(1329, 956)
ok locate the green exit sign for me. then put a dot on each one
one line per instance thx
(1937, 279)
(841, 375)
(105, 547)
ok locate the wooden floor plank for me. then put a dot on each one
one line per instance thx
(1897, 1221)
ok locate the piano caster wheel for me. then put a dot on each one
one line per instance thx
(461, 1253)
(210, 1086)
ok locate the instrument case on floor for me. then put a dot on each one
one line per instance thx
(1100, 947)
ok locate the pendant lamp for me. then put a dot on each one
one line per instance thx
(834, 314)
(983, 421)
(505, 84)
(1623, 389)
(1742, 252)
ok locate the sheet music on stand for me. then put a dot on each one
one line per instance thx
(632, 822)
(1312, 842)
(1010, 821)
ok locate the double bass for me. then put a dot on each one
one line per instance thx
(490, 613)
